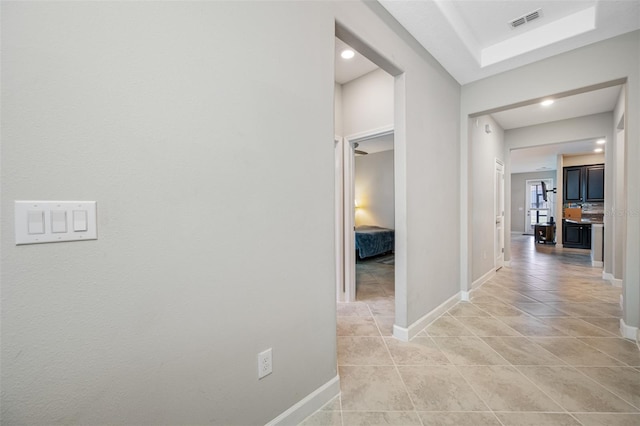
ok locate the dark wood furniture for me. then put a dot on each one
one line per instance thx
(576, 235)
(583, 184)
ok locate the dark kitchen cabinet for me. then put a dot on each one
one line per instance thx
(576, 235)
(583, 184)
(594, 183)
(572, 184)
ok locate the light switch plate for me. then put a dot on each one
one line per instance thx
(52, 213)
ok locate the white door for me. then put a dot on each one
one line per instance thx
(499, 214)
(538, 210)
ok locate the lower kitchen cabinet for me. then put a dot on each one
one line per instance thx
(576, 235)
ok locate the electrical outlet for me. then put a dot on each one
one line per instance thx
(265, 363)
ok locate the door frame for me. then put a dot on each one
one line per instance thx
(349, 254)
(527, 202)
(498, 197)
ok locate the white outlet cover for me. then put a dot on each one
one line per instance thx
(265, 363)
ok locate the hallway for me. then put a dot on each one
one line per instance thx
(537, 345)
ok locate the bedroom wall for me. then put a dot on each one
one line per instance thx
(205, 177)
(518, 197)
(374, 189)
(618, 58)
(485, 148)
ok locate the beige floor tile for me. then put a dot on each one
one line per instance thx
(530, 326)
(380, 418)
(354, 309)
(537, 419)
(447, 325)
(369, 292)
(576, 327)
(373, 389)
(576, 309)
(545, 296)
(469, 351)
(521, 351)
(622, 381)
(499, 310)
(440, 388)
(621, 349)
(323, 418)
(609, 419)
(466, 309)
(539, 309)
(419, 351)
(383, 307)
(385, 324)
(503, 388)
(575, 392)
(334, 405)
(574, 352)
(362, 351)
(482, 326)
(610, 324)
(357, 326)
(458, 419)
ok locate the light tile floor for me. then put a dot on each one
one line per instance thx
(537, 345)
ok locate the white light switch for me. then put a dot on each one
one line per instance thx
(79, 220)
(55, 221)
(58, 221)
(35, 222)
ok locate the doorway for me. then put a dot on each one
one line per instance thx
(538, 205)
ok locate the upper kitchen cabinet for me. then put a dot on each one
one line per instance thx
(583, 184)
(573, 184)
(594, 183)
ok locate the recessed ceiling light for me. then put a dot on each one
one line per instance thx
(598, 150)
(547, 102)
(601, 141)
(347, 54)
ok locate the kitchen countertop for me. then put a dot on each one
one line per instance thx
(584, 221)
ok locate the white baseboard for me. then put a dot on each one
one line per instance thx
(627, 331)
(612, 280)
(483, 279)
(638, 339)
(309, 404)
(406, 334)
(597, 263)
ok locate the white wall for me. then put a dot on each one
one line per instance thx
(485, 148)
(367, 103)
(199, 159)
(617, 58)
(519, 197)
(374, 190)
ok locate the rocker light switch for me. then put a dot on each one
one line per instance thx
(58, 221)
(35, 222)
(79, 220)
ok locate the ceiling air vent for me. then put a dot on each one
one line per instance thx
(514, 23)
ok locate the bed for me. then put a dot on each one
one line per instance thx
(374, 240)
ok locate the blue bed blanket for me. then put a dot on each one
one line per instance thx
(373, 240)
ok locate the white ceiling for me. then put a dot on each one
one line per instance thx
(544, 158)
(472, 39)
(588, 103)
(350, 69)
